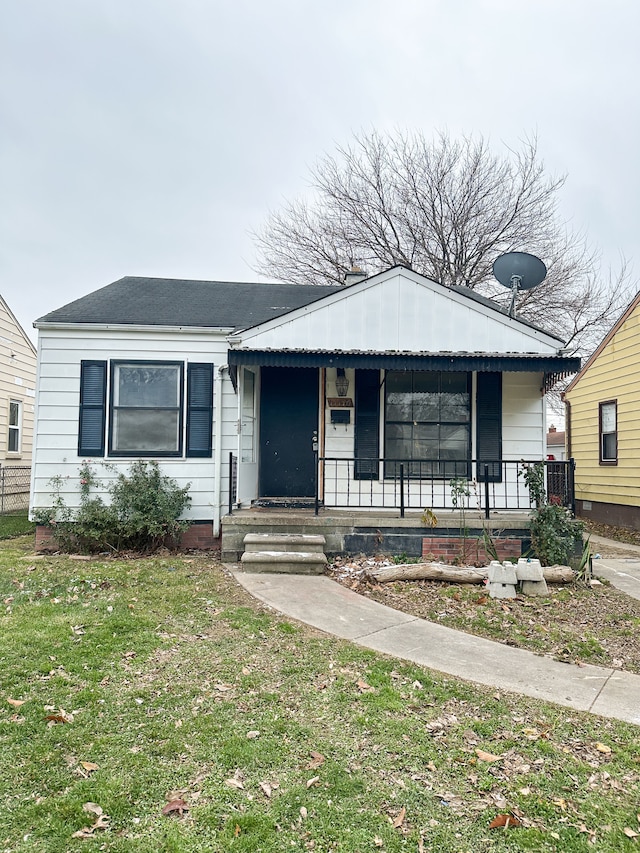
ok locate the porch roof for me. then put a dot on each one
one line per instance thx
(555, 366)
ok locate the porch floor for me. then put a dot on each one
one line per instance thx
(366, 531)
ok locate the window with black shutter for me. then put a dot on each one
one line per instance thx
(93, 396)
(199, 409)
(489, 426)
(367, 424)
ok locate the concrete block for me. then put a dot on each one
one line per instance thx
(535, 587)
(532, 571)
(502, 590)
(505, 573)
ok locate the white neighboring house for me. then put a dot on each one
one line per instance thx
(232, 386)
(556, 449)
(17, 391)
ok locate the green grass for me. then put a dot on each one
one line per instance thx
(15, 525)
(179, 684)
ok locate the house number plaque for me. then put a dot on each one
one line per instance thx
(339, 402)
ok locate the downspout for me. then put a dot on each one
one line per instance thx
(217, 433)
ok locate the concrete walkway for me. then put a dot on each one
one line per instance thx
(334, 609)
(619, 564)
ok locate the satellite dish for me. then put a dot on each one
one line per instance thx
(519, 271)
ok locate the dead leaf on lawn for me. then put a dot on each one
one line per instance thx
(399, 819)
(89, 766)
(102, 822)
(317, 760)
(253, 735)
(175, 807)
(504, 820)
(378, 841)
(16, 702)
(631, 833)
(313, 781)
(234, 783)
(487, 756)
(266, 789)
(364, 687)
(602, 747)
(481, 600)
(60, 716)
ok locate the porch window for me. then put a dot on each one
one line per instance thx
(427, 423)
(15, 426)
(146, 405)
(608, 433)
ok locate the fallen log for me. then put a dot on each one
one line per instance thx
(453, 574)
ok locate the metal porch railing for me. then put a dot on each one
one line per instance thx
(403, 484)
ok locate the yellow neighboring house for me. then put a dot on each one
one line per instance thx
(17, 390)
(603, 426)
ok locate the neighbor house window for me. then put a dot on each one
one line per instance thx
(15, 426)
(609, 432)
(144, 413)
(427, 423)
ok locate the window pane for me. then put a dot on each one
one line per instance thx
(152, 386)
(608, 415)
(137, 430)
(14, 441)
(14, 413)
(609, 446)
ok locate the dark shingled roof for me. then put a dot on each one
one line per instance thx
(134, 300)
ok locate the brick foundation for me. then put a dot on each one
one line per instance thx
(199, 537)
(447, 549)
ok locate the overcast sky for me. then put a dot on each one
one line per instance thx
(150, 137)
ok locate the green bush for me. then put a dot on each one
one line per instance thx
(555, 533)
(143, 513)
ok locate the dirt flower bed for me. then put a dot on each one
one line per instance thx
(575, 623)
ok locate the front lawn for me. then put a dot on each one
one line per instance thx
(152, 705)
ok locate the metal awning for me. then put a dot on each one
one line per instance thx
(554, 365)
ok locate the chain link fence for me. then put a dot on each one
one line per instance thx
(15, 484)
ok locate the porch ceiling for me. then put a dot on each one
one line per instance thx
(557, 365)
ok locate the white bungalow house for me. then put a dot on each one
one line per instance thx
(375, 394)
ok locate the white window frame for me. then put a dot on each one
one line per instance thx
(15, 429)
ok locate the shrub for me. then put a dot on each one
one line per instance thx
(143, 513)
(554, 531)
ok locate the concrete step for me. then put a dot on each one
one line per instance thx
(291, 553)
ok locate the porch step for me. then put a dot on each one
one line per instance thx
(291, 553)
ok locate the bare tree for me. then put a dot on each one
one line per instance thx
(446, 209)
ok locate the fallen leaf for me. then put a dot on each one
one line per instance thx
(234, 783)
(89, 766)
(237, 830)
(102, 822)
(602, 747)
(266, 788)
(303, 813)
(482, 600)
(399, 820)
(253, 735)
(92, 808)
(364, 687)
(16, 702)
(317, 760)
(177, 807)
(62, 717)
(487, 756)
(504, 820)
(313, 781)
(630, 833)
(378, 841)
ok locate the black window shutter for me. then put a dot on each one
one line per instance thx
(367, 425)
(93, 396)
(489, 426)
(199, 409)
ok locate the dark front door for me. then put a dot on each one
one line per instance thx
(288, 419)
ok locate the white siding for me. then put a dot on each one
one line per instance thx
(58, 396)
(399, 312)
(523, 416)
